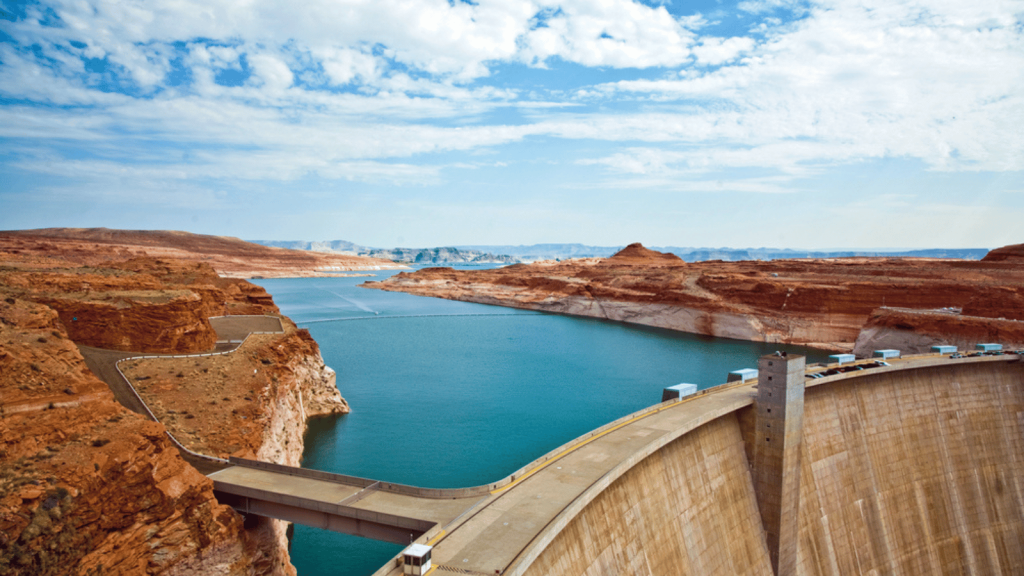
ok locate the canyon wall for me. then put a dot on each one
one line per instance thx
(710, 321)
(138, 305)
(299, 387)
(820, 303)
(915, 332)
(251, 403)
(88, 487)
(904, 472)
(230, 257)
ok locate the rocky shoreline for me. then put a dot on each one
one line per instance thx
(820, 303)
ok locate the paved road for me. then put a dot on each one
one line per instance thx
(238, 327)
(389, 506)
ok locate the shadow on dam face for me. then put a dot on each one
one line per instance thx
(918, 469)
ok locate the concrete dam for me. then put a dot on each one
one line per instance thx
(916, 467)
(913, 469)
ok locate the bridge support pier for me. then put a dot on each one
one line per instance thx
(776, 466)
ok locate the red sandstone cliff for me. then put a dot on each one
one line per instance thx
(822, 303)
(916, 331)
(1013, 254)
(87, 487)
(230, 257)
(141, 305)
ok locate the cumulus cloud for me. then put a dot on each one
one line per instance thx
(334, 88)
(715, 51)
(608, 33)
(343, 65)
(270, 73)
(943, 83)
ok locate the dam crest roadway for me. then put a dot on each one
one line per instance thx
(505, 527)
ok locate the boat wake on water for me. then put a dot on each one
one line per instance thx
(359, 305)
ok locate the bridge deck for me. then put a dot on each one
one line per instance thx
(284, 484)
(237, 479)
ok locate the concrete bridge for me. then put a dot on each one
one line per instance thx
(916, 467)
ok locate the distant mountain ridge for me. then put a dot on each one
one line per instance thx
(440, 256)
(690, 254)
(443, 255)
(509, 254)
(333, 246)
(733, 255)
(549, 251)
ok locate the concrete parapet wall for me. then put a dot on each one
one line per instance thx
(394, 488)
(904, 470)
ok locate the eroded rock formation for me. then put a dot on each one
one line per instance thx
(88, 487)
(915, 332)
(230, 257)
(140, 305)
(822, 303)
(85, 485)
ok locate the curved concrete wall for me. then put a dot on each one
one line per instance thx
(689, 508)
(916, 471)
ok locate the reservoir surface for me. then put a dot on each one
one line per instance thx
(448, 394)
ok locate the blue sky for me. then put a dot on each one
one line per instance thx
(846, 123)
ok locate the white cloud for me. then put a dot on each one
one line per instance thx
(608, 33)
(355, 88)
(270, 73)
(942, 83)
(343, 65)
(714, 51)
(457, 40)
(760, 6)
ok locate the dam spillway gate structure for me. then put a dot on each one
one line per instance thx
(912, 468)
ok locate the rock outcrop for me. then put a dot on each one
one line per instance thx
(88, 487)
(250, 403)
(1013, 254)
(915, 332)
(821, 303)
(230, 257)
(139, 305)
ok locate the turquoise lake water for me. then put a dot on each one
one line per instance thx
(447, 394)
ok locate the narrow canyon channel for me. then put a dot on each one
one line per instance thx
(447, 394)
